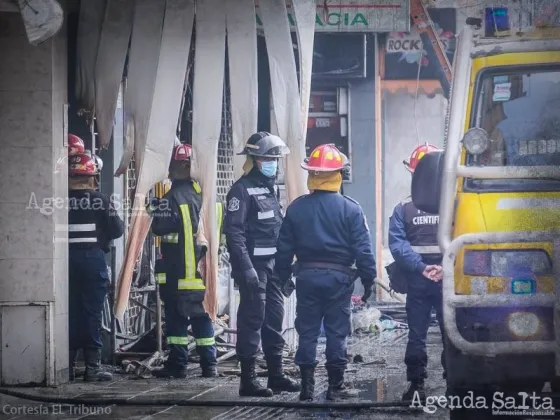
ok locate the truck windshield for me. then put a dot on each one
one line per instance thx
(520, 110)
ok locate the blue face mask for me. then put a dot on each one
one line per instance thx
(269, 168)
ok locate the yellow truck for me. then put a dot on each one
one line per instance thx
(498, 188)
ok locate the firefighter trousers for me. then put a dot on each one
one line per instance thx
(323, 295)
(423, 296)
(88, 284)
(260, 316)
(176, 329)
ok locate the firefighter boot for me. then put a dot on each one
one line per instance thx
(209, 371)
(277, 382)
(415, 392)
(171, 372)
(249, 386)
(337, 390)
(94, 372)
(73, 358)
(307, 383)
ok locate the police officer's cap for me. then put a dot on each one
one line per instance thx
(264, 144)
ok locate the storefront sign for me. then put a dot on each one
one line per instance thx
(356, 15)
(404, 51)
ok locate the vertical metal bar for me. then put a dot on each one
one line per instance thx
(158, 319)
(112, 311)
(378, 168)
(556, 315)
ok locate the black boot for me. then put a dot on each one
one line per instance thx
(276, 379)
(209, 371)
(93, 367)
(415, 392)
(171, 372)
(249, 386)
(337, 390)
(307, 383)
(73, 361)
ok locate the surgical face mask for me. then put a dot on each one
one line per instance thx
(269, 168)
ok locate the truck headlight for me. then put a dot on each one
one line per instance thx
(523, 324)
(476, 141)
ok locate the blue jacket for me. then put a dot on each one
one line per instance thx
(399, 244)
(325, 227)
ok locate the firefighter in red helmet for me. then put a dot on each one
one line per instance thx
(176, 219)
(92, 223)
(327, 232)
(417, 272)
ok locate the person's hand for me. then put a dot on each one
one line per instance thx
(433, 272)
(251, 279)
(152, 205)
(368, 290)
(438, 273)
(288, 288)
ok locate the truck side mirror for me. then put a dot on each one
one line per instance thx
(426, 182)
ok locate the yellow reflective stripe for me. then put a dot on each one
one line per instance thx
(190, 258)
(171, 238)
(192, 284)
(196, 187)
(219, 217)
(210, 341)
(160, 278)
(181, 341)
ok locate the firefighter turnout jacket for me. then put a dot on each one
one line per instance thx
(413, 237)
(253, 220)
(92, 220)
(176, 219)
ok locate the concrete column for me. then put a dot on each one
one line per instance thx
(33, 212)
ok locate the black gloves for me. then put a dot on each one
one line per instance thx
(368, 289)
(288, 288)
(251, 279)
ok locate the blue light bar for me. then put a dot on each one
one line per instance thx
(496, 23)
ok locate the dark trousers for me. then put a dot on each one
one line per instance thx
(260, 316)
(423, 296)
(176, 329)
(87, 289)
(323, 295)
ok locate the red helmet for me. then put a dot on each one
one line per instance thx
(75, 145)
(84, 164)
(324, 158)
(418, 154)
(182, 152)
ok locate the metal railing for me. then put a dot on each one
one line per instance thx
(451, 301)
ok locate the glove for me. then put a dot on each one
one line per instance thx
(288, 288)
(251, 279)
(368, 290)
(153, 204)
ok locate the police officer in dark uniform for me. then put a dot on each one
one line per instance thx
(328, 233)
(176, 219)
(413, 244)
(251, 226)
(92, 223)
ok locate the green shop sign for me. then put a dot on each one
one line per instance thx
(357, 16)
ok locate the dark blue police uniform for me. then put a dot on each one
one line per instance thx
(328, 233)
(176, 220)
(413, 244)
(251, 225)
(92, 224)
